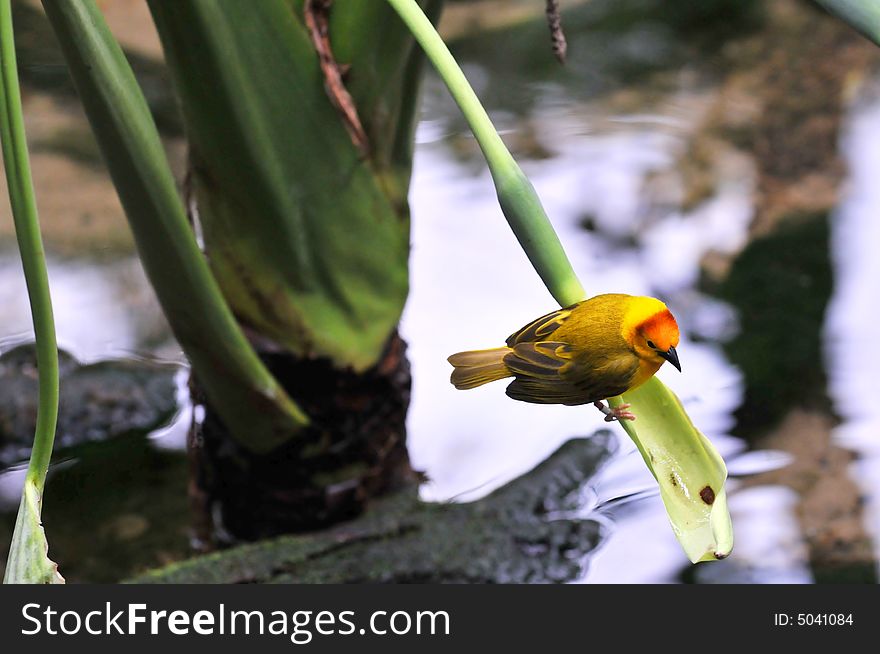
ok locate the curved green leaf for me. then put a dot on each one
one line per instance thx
(28, 561)
(306, 244)
(386, 71)
(687, 467)
(257, 411)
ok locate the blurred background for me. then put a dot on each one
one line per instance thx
(721, 155)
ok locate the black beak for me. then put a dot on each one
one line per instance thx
(672, 357)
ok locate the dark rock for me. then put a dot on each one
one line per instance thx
(527, 531)
(98, 401)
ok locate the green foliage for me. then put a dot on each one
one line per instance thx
(46, 70)
(384, 79)
(254, 407)
(28, 561)
(688, 469)
(309, 241)
(143, 521)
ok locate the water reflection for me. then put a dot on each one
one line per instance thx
(770, 548)
(851, 352)
(103, 309)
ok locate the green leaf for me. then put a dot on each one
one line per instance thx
(863, 15)
(687, 467)
(256, 410)
(309, 248)
(384, 81)
(29, 561)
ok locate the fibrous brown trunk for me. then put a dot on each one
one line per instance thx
(354, 450)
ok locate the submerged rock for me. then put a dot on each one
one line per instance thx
(98, 401)
(530, 530)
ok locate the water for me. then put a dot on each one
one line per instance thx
(851, 357)
(114, 295)
(606, 149)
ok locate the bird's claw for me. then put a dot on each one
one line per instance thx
(613, 414)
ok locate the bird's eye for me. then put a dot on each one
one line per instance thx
(651, 345)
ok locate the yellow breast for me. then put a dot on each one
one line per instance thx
(645, 372)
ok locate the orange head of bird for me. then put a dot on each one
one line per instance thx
(655, 337)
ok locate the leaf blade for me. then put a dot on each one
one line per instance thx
(689, 470)
(306, 244)
(29, 561)
(257, 411)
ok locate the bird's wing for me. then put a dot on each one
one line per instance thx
(544, 360)
(546, 374)
(540, 373)
(539, 391)
(540, 329)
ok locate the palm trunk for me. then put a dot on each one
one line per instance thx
(354, 450)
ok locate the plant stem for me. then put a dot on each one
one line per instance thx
(519, 202)
(30, 244)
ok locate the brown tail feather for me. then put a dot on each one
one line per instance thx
(479, 367)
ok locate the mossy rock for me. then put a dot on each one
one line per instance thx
(529, 531)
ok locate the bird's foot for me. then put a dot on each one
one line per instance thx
(615, 413)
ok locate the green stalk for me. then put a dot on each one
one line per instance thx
(688, 469)
(519, 202)
(28, 562)
(255, 409)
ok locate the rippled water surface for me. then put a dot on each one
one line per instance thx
(606, 143)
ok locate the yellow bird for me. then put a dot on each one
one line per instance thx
(585, 353)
